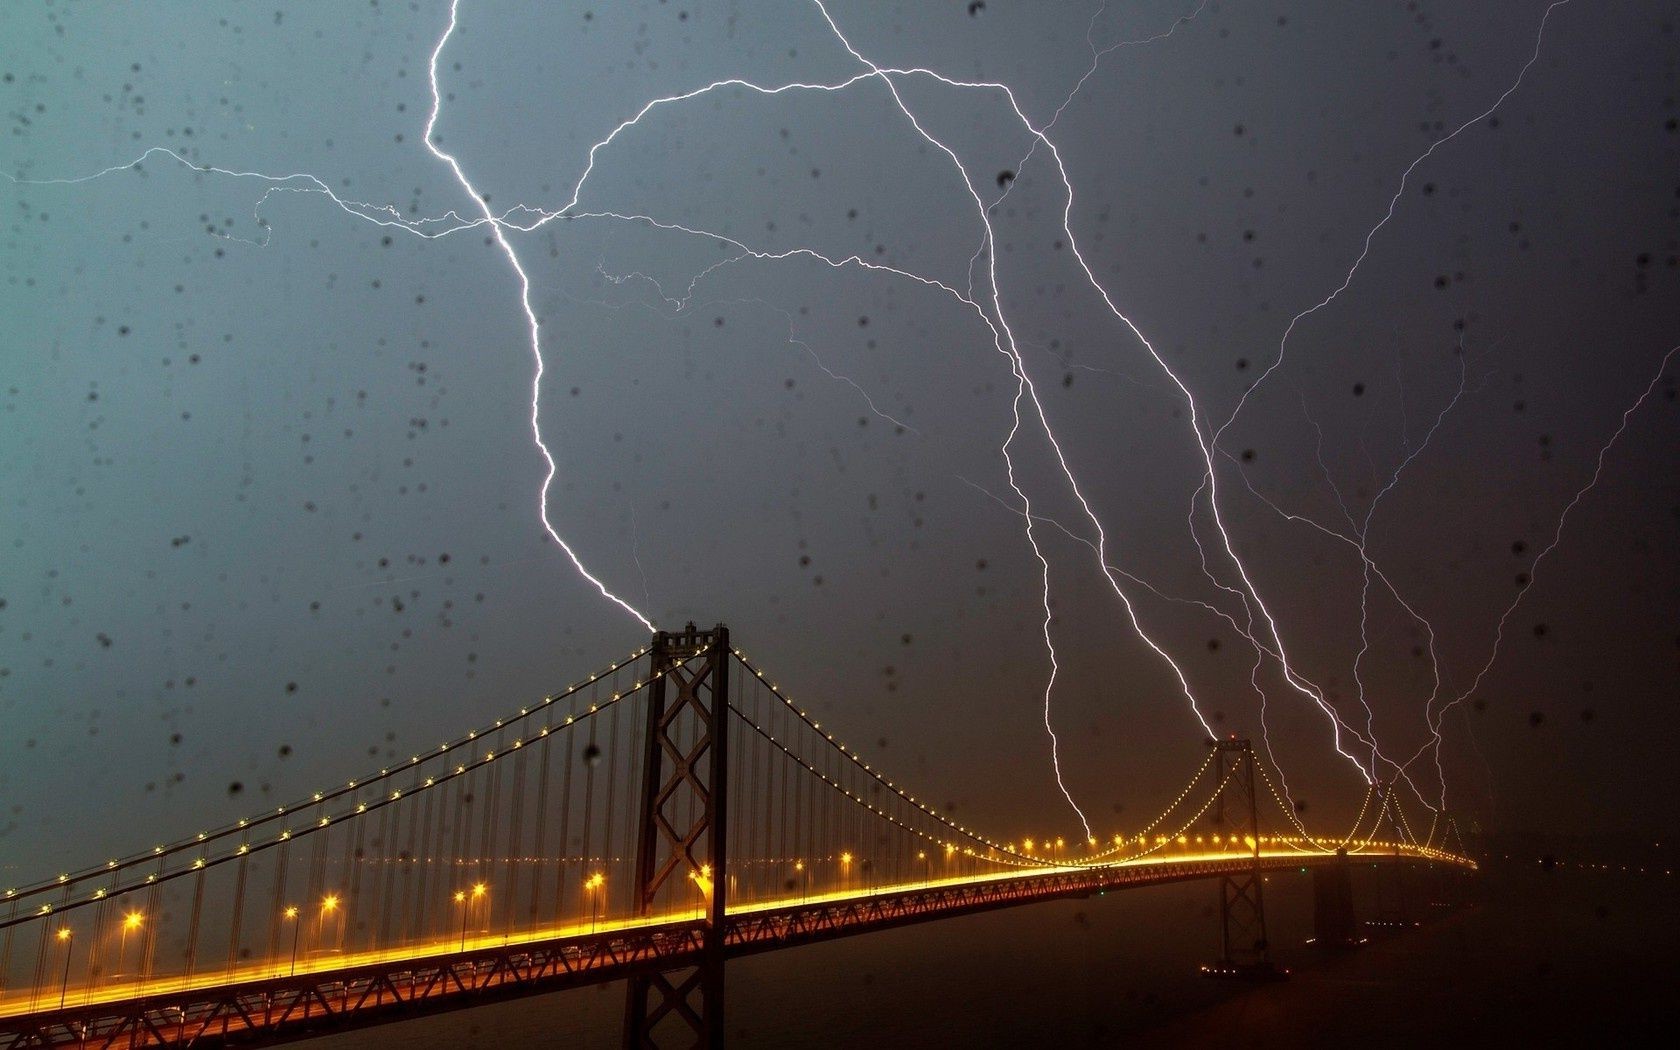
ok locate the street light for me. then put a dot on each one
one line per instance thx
(130, 923)
(593, 885)
(329, 904)
(291, 914)
(479, 890)
(846, 870)
(64, 936)
(805, 878)
(702, 879)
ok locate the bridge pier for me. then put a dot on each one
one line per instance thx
(1244, 950)
(684, 803)
(1334, 925)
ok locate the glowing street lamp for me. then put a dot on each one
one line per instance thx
(64, 935)
(466, 902)
(593, 884)
(291, 915)
(130, 922)
(702, 879)
(329, 905)
(846, 870)
(805, 878)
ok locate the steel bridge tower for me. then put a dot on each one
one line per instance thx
(683, 832)
(1244, 950)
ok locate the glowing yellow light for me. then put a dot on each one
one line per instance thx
(329, 902)
(479, 890)
(845, 858)
(64, 934)
(132, 920)
(291, 912)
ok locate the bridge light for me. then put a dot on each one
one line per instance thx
(329, 903)
(291, 911)
(132, 920)
(479, 890)
(63, 933)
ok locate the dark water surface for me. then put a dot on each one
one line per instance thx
(1543, 959)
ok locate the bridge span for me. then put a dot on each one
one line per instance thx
(646, 824)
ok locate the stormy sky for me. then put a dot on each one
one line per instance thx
(267, 470)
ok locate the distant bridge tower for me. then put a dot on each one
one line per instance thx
(683, 833)
(1244, 950)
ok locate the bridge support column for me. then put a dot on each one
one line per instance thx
(680, 847)
(1244, 950)
(1396, 895)
(1333, 922)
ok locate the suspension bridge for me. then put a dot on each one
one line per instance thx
(646, 824)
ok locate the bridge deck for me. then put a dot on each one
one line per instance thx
(269, 1003)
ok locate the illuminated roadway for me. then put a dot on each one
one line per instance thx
(387, 984)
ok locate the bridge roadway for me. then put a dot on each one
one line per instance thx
(267, 1003)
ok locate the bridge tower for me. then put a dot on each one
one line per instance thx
(683, 832)
(1394, 889)
(1244, 950)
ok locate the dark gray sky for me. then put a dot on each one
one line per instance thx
(270, 494)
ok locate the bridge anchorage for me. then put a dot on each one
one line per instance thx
(646, 824)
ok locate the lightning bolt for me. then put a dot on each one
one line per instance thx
(1533, 570)
(498, 231)
(1026, 406)
(1366, 563)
